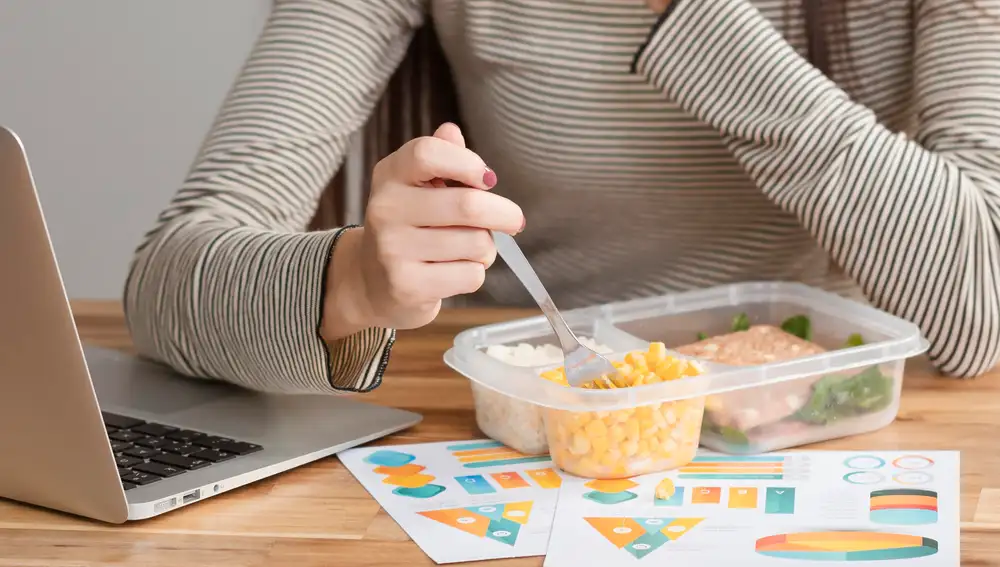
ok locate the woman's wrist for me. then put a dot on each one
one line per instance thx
(346, 309)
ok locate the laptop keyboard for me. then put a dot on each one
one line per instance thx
(147, 452)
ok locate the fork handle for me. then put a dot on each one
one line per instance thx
(511, 253)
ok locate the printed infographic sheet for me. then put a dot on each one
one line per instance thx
(782, 509)
(462, 501)
(478, 500)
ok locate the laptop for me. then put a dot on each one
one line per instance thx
(105, 435)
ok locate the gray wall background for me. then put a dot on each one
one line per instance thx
(112, 99)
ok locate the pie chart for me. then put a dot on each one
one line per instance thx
(846, 546)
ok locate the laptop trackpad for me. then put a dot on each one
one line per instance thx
(123, 381)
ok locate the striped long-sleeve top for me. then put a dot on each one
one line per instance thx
(649, 155)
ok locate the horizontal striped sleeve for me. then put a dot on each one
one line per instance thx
(914, 222)
(227, 285)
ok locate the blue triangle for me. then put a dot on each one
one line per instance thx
(491, 511)
(646, 544)
(653, 525)
(504, 531)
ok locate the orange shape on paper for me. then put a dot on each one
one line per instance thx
(404, 470)
(619, 531)
(517, 512)
(409, 481)
(461, 519)
(611, 486)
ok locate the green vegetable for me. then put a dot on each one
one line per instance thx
(855, 340)
(734, 436)
(799, 326)
(835, 397)
(730, 435)
(702, 336)
(741, 323)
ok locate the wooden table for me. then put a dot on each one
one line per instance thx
(319, 515)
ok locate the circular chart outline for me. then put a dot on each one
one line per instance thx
(927, 478)
(849, 460)
(930, 462)
(879, 477)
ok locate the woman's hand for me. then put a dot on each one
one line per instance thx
(422, 241)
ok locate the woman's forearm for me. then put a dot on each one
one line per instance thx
(915, 223)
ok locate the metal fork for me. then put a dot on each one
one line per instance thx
(583, 365)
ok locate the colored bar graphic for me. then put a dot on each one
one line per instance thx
(677, 499)
(491, 454)
(510, 480)
(779, 500)
(731, 476)
(706, 495)
(514, 461)
(475, 484)
(734, 468)
(474, 446)
(904, 507)
(742, 459)
(742, 497)
(545, 478)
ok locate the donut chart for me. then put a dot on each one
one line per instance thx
(846, 546)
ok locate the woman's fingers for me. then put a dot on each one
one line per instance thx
(458, 207)
(450, 244)
(424, 159)
(448, 279)
(450, 133)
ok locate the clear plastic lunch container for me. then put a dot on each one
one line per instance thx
(747, 409)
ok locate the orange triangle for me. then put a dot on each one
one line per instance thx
(460, 518)
(619, 531)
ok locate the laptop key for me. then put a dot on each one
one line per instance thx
(209, 440)
(178, 448)
(141, 478)
(120, 421)
(213, 455)
(127, 462)
(180, 461)
(124, 435)
(128, 485)
(123, 472)
(238, 447)
(159, 469)
(119, 446)
(153, 442)
(154, 429)
(185, 435)
(142, 452)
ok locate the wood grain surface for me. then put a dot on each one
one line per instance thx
(319, 515)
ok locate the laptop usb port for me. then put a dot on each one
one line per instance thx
(190, 497)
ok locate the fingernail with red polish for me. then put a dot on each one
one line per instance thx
(489, 178)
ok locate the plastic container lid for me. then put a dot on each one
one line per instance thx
(891, 339)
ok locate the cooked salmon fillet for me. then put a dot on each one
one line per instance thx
(761, 344)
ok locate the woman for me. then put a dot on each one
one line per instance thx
(651, 146)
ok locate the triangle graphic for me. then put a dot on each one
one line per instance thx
(642, 536)
(498, 522)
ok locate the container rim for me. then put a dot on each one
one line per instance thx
(904, 341)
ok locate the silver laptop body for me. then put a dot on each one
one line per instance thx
(71, 416)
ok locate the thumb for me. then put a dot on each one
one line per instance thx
(451, 133)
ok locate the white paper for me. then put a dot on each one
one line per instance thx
(903, 509)
(462, 500)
